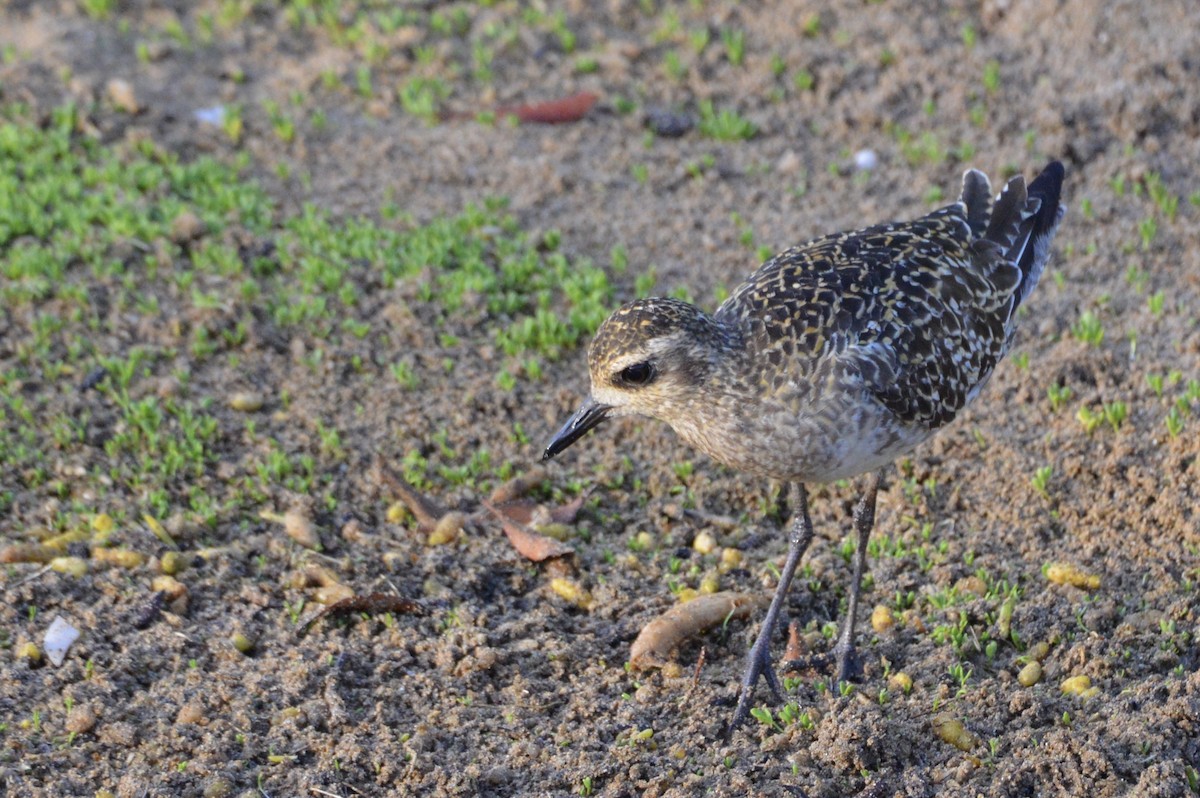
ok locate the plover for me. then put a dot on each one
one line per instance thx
(833, 359)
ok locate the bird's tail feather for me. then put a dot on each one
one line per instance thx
(1024, 221)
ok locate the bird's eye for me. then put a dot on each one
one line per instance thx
(637, 374)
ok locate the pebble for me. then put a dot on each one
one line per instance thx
(865, 160)
(185, 227)
(190, 713)
(668, 124)
(121, 94)
(81, 719)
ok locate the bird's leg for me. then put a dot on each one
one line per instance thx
(864, 519)
(758, 663)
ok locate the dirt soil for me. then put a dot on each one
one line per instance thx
(509, 684)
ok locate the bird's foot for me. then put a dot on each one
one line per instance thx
(758, 664)
(847, 666)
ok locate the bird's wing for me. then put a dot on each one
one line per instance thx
(918, 308)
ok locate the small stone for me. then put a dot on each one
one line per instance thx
(190, 713)
(120, 93)
(865, 160)
(186, 227)
(219, 787)
(668, 124)
(81, 719)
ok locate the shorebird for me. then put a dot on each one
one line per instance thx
(833, 359)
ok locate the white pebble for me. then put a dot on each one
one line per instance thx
(865, 160)
(59, 638)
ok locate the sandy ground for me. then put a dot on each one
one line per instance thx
(505, 687)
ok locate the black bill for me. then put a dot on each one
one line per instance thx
(587, 416)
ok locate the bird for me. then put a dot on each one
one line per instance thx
(831, 360)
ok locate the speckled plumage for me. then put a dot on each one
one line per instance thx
(838, 355)
(832, 359)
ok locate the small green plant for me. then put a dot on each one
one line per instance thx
(803, 80)
(1147, 230)
(1088, 328)
(1058, 395)
(724, 125)
(673, 66)
(969, 36)
(1041, 481)
(1174, 422)
(1089, 419)
(1115, 413)
(991, 77)
(1156, 302)
(735, 45)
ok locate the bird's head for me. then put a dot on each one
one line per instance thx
(651, 357)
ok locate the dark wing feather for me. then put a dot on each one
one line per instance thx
(919, 310)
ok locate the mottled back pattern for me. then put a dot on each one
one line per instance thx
(914, 308)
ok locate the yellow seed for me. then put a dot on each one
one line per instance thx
(1031, 674)
(447, 529)
(159, 530)
(1038, 651)
(571, 591)
(1090, 693)
(901, 681)
(643, 541)
(678, 752)
(1076, 685)
(103, 523)
(710, 583)
(704, 543)
(557, 531)
(173, 562)
(1067, 574)
(169, 585)
(72, 566)
(730, 559)
(882, 618)
(686, 594)
(396, 513)
(241, 642)
(246, 401)
(121, 558)
(951, 730)
(31, 652)
(60, 542)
